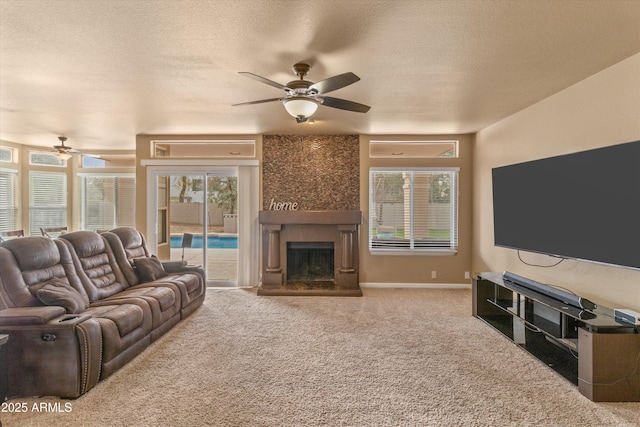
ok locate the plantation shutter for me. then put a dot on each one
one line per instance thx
(107, 201)
(47, 200)
(413, 209)
(8, 199)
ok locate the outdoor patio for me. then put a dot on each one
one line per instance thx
(222, 265)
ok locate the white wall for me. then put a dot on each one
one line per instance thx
(601, 110)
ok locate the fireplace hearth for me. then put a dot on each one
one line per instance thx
(310, 253)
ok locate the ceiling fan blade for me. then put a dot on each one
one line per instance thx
(64, 149)
(334, 83)
(343, 104)
(263, 80)
(262, 101)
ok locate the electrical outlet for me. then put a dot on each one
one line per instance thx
(434, 274)
(466, 275)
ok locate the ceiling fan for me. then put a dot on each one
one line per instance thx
(64, 152)
(302, 97)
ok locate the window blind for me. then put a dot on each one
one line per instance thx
(47, 200)
(107, 201)
(8, 199)
(413, 210)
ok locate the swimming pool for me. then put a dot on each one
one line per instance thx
(213, 242)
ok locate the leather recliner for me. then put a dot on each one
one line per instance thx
(74, 316)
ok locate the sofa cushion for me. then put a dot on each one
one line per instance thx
(165, 296)
(162, 303)
(34, 253)
(190, 281)
(27, 264)
(96, 266)
(132, 240)
(125, 332)
(58, 292)
(149, 268)
(126, 317)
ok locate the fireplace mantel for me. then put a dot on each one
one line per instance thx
(310, 217)
(281, 227)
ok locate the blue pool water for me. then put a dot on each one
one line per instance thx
(213, 242)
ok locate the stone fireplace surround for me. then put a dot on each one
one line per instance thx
(281, 227)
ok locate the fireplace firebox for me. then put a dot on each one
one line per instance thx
(310, 253)
(310, 262)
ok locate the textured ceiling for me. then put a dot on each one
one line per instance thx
(101, 72)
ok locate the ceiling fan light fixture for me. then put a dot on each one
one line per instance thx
(63, 156)
(300, 108)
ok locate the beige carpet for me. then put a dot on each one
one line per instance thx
(395, 357)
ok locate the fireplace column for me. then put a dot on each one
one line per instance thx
(346, 262)
(273, 255)
(347, 275)
(273, 270)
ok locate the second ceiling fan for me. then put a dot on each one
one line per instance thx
(64, 152)
(302, 97)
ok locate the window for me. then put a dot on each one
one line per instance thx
(413, 210)
(413, 149)
(45, 159)
(107, 201)
(6, 154)
(92, 162)
(8, 199)
(47, 200)
(109, 160)
(204, 148)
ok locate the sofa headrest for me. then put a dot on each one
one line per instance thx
(33, 253)
(85, 243)
(130, 237)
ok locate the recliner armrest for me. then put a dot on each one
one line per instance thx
(25, 316)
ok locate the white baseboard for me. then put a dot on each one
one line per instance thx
(417, 285)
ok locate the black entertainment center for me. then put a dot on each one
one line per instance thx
(589, 347)
(581, 206)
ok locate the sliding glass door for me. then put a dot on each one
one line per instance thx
(213, 204)
(197, 216)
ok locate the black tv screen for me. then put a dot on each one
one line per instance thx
(583, 205)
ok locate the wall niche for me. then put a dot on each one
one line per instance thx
(318, 172)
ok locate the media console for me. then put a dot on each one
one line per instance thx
(589, 347)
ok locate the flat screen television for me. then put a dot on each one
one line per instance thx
(584, 205)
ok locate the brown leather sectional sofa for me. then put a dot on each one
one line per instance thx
(79, 307)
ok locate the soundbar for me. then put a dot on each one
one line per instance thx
(555, 293)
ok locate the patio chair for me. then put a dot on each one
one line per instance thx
(187, 241)
(58, 230)
(13, 233)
